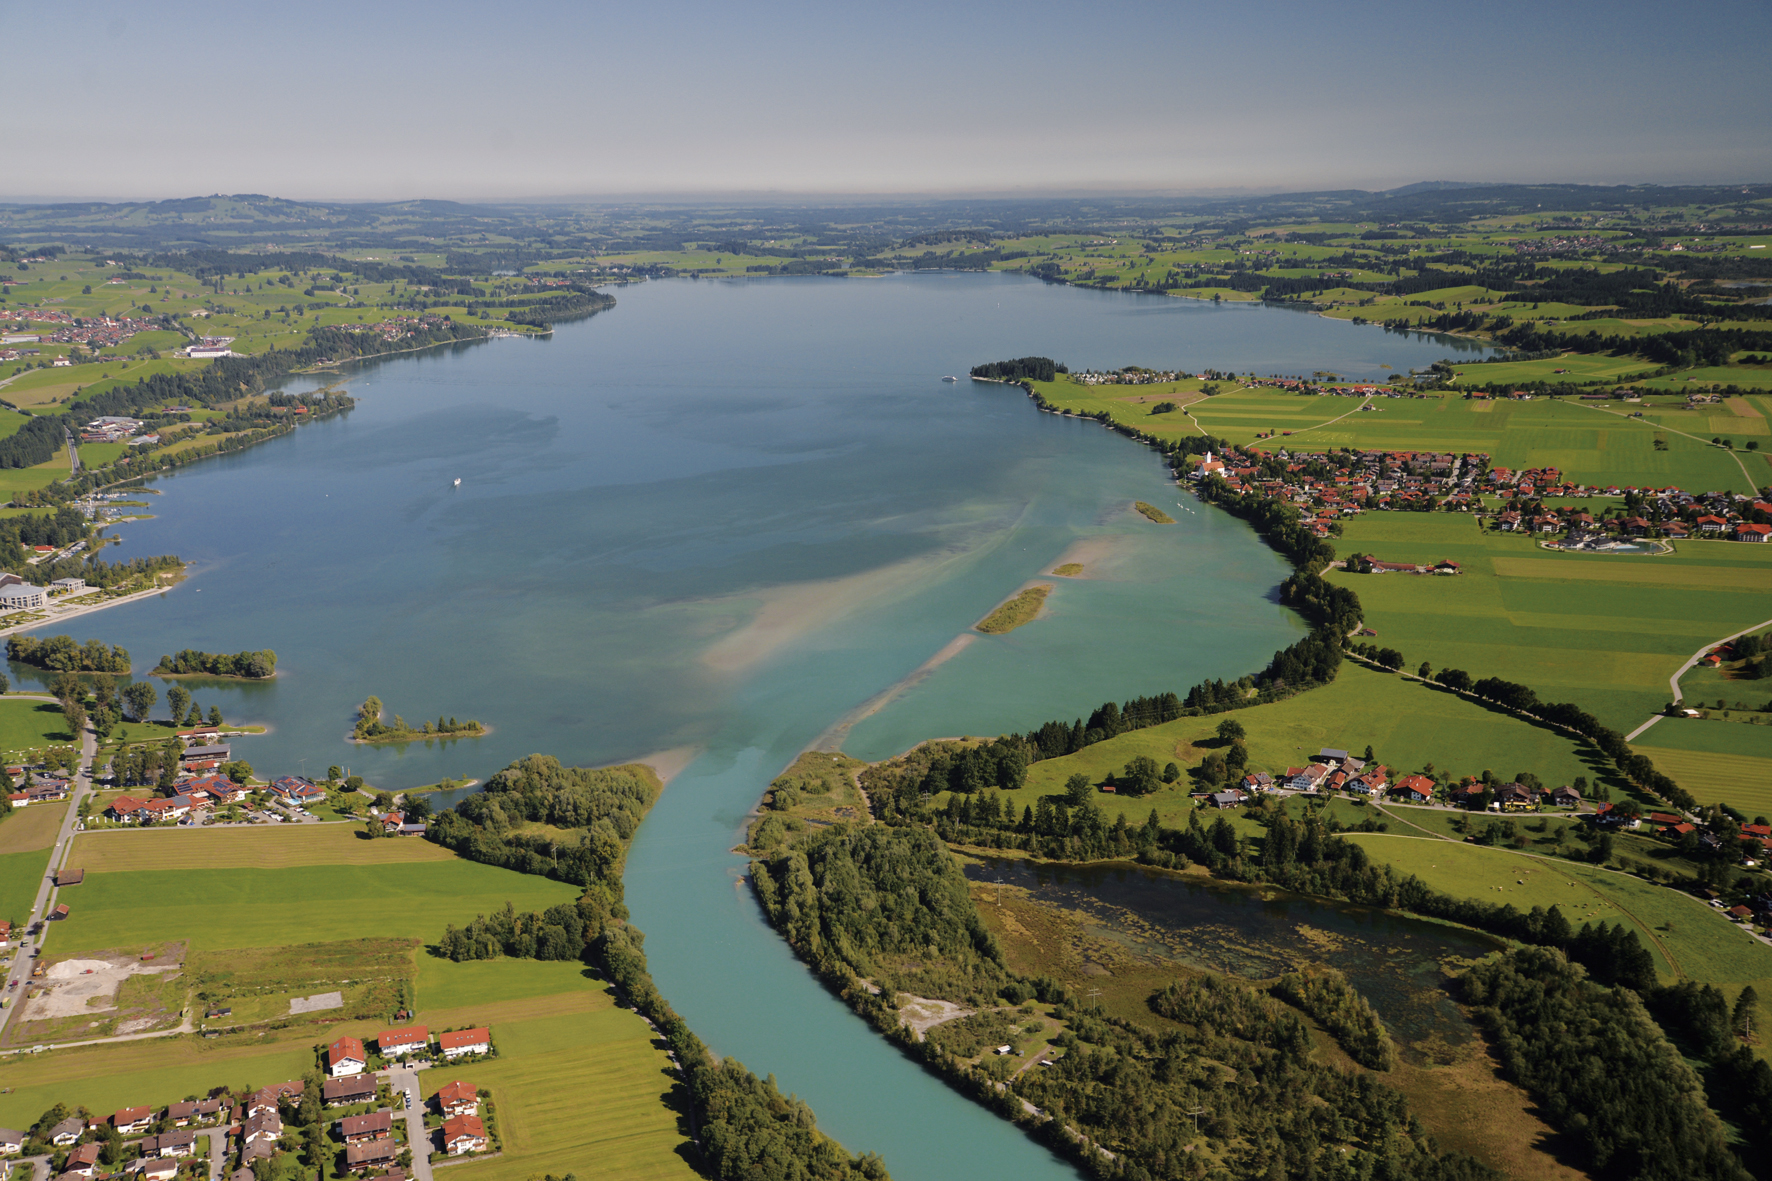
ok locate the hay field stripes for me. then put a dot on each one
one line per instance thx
(1743, 781)
(32, 828)
(1648, 571)
(1751, 489)
(273, 846)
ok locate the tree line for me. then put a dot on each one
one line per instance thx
(1021, 369)
(63, 654)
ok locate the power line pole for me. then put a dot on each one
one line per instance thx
(999, 891)
(1196, 1111)
(1095, 996)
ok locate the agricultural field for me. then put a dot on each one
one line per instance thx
(20, 876)
(31, 828)
(269, 847)
(1726, 761)
(1407, 724)
(591, 1091)
(258, 907)
(1603, 631)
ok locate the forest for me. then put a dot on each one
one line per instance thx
(1020, 369)
(190, 662)
(1601, 1069)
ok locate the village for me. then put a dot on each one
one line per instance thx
(359, 1113)
(1331, 485)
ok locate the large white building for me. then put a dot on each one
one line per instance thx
(22, 596)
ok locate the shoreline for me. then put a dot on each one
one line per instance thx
(85, 610)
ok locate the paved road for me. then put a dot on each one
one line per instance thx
(1673, 682)
(39, 1167)
(405, 1082)
(218, 1149)
(21, 964)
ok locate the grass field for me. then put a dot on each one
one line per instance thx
(258, 907)
(1023, 608)
(20, 876)
(27, 725)
(1603, 631)
(592, 1093)
(1406, 723)
(1741, 780)
(1687, 937)
(34, 827)
(260, 847)
(444, 984)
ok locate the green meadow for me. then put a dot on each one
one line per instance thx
(1408, 725)
(25, 724)
(220, 908)
(20, 876)
(1604, 631)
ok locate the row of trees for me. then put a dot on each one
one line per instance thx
(252, 665)
(63, 654)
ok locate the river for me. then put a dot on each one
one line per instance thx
(729, 516)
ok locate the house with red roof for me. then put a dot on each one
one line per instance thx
(345, 1056)
(1746, 532)
(133, 1120)
(404, 1041)
(459, 1098)
(465, 1041)
(462, 1134)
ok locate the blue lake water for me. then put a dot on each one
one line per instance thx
(730, 516)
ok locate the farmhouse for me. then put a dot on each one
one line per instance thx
(407, 1039)
(377, 1125)
(464, 1041)
(464, 1133)
(124, 808)
(459, 1098)
(11, 1141)
(352, 1088)
(345, 1056)
(1417, 789)
(1566, 797)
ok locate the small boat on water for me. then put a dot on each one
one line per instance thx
(457, 483)
(950, 379)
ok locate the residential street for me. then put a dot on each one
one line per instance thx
(21, 963)
(405, 1082)
(218, 1149)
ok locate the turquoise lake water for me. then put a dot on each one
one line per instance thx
(729, 516)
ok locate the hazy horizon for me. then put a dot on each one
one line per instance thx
(693, 101)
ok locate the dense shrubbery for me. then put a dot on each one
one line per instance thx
(1325, 994)
(1600, 1069)
(62, 654)
(1021, 369)
(255, 665)
(606, 806)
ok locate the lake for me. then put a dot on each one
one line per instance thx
(736, 517)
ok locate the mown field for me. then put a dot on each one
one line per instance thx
(1726, 761)
(1407, 724)
(34, 827)
(258, 907)
(20, 876)
(1603, 631)
(591, 1092)
(260, 847)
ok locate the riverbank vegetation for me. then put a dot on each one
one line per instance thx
(746, 1126)
(371, 728)
(1152, 513)
(255, 666)
(62, 654)
(1023, 608)
(886, 917)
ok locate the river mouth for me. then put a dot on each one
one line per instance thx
(1401, 965)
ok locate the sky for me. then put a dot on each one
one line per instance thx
(375, 100)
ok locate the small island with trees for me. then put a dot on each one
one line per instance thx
(251, 666)
(371, 728)
(61, 654)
